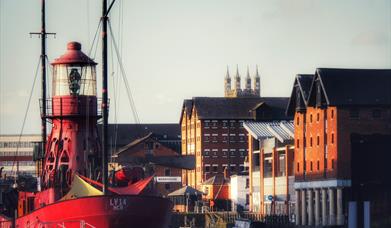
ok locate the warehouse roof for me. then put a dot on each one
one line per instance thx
(282, 130)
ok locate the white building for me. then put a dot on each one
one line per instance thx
(240, 192)
(16, 154)
(271, 171)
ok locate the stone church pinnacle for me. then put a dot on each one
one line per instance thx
(252, 86)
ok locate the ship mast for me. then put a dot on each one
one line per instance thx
(43, 35)
(104, 98)
(105, 108)
(43, 72)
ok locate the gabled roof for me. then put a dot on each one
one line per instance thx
(186, 107)
(282, 130)
(187, 190)
(238, 108)
(123, 134)
(216, 180)
(303, 82)
(134, 143)
(353, 86)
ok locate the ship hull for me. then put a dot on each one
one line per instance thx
(101, 212)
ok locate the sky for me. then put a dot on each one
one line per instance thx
(177, 49)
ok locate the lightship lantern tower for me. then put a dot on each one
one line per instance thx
(73, 144)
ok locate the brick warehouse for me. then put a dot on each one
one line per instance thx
(212, 129)
(329, 108)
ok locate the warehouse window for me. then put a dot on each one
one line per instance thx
(267, 165)
(167, 186)
(354, 113)
(376, 114)
(167, 172)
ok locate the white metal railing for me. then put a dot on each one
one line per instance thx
(62, 224)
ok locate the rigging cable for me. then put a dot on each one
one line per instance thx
(24, 120)
(115, 101)
(49, 69)
(124, 78)
(116, 80)
(87, 121)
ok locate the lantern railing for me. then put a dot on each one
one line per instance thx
(72, 106)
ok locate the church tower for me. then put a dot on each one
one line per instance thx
(237, 88)
(257, 83)
(227, 84)
(233, 88)
(247, 87)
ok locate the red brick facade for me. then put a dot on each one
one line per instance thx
(342, 120)
(215, 144)
(327, 138)
(212, 130)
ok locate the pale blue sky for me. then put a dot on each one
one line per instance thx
(177, 49)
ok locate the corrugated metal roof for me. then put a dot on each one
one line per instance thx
(282, 130)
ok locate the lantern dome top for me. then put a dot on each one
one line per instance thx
(74, 55)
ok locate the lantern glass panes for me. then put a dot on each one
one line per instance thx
(74, 80)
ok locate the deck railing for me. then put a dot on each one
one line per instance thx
(63, 224)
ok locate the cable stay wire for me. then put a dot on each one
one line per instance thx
(24, 120)
(93, 44)
(116, 79)
(124, 78)
(49, 69)
(93, 41)
(112, 74)
(93, 49)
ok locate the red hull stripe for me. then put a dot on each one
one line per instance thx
(102, 212)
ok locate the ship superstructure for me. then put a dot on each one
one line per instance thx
(73, 145)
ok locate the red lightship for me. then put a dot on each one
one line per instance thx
(71, 152)
(75, 161)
